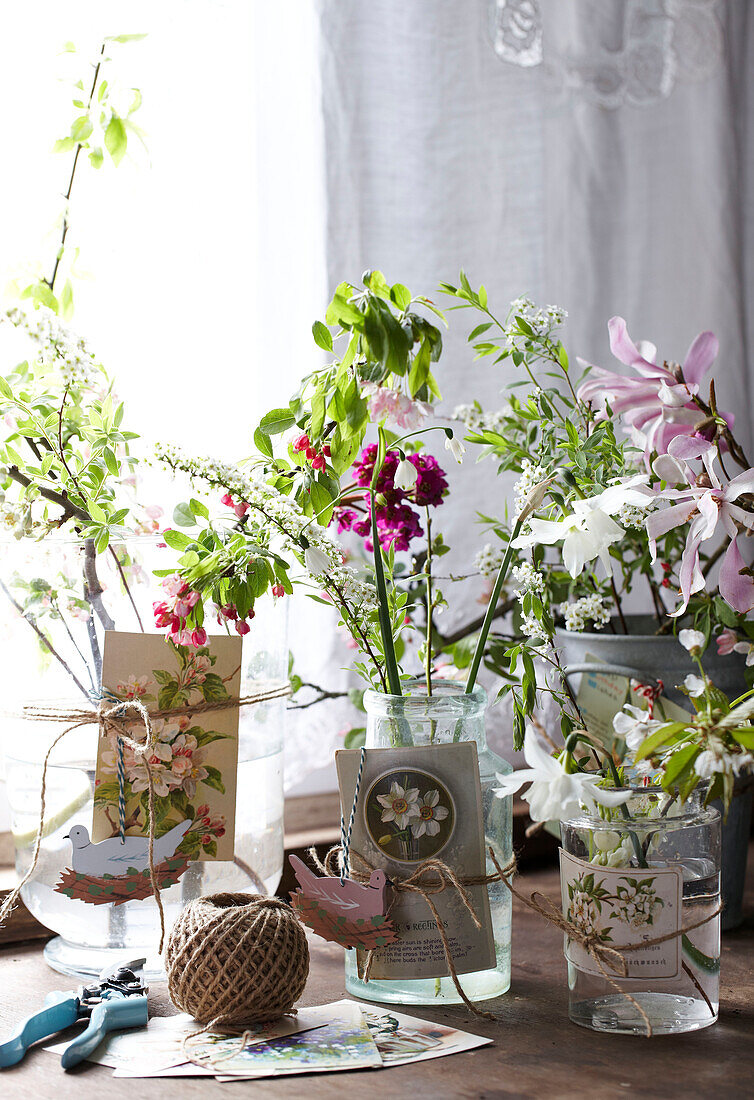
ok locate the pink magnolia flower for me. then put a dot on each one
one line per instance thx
(656, 403)
(703, 507)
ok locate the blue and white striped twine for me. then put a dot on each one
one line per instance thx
(345, 834)
(101, 696)
(121, 792)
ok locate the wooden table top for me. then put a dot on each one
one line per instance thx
(536, 1053)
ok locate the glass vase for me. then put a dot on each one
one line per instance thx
(447, 716)
(42, 581)
(653, 872)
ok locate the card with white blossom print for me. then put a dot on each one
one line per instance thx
(416, 804)
(195, 759)
(624, 905)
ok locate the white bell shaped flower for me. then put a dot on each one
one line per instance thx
(317, 562)
(406, 475)
(455, 446)
(554, 793)
(589, 531)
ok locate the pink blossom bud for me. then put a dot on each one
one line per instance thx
(227, 500)
(278, 590)
(242, 627)
(241, 509)
(318, 462)
(199, 637)
(301, 442)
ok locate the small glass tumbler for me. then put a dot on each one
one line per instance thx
(637, 882)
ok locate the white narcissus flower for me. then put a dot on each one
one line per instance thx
(455, 447)
(406, 475)
(634, 725)
(694, 685)
(589, 531)
(554, 793)
(692, 640)
(400, 805)
(317, 562)
(430, 814)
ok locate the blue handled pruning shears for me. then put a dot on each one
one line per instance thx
(117, 1000)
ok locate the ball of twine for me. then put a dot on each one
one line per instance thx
(236, 959)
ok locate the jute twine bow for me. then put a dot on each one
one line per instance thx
(610, 960)
(110, 717)
(432, 876)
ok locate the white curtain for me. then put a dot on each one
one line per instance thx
(592, 153)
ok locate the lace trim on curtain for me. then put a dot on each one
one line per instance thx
(662, 42)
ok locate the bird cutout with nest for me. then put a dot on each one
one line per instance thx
(117, 870)
(341, 910)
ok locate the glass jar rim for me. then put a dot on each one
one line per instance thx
(691, 811)
(449, 692)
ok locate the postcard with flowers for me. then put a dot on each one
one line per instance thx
(621, 906)
(415, 804)
(195, 759)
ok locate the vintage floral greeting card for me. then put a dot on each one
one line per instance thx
(195, 759)
(624, 905)
(335, 1037)
(416, 804)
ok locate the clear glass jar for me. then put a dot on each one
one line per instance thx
(92, 936)
(447, 716)
(617, 892)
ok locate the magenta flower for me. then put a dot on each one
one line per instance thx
(397, 522)
(656, 403)
(703, 507)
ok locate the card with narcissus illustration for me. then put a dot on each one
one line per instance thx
(419, 804)
(193, 766)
